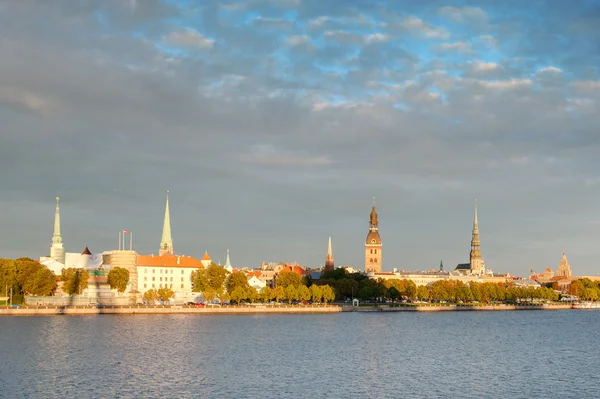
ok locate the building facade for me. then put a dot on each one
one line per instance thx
(475, 258)
(329, 260)
(373, 245)
(564, 269)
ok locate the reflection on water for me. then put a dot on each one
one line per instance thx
(456, 354)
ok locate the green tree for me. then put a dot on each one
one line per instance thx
(234, 280)
(151, 296)
(328, 293)
(211, 277)
(304, 293)
(364, 293)
(422, 293)
(278, 293)
(266, 294)
(74, 280)
(285, 279)
(291, 293)
(316, 293)
(238, 294)
(118, 277)
(252, 294)
(165, 294)
(41, 282)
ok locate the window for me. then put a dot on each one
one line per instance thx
(152, 285)
(182, 272)
(182, 279)
(171, 271)
(145, 278)
(371, 260)
(375, 260)
(171, 286)
(160, 286)
(144, 285)
(153, 270)
(153, 280)
(160, 271)
(181, 285)
(171, 278)
(145, 270)
(375, 252)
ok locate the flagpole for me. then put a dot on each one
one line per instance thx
(130, 240)
(123, 237)
(119, 242)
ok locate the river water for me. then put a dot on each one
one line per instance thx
(500, 354)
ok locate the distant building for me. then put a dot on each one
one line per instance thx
(329, 264)
(206, 261)
(56, 260)
(476, 265)
(227, 265)
(166, 243)
(564, 269)
(170, 271)
(373, 245)
(256, 283)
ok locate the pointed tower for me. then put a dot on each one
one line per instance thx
(441, 266)
(228, 266)
(166, 244)
(329, 265)
(373, 244)
(475, 259)
(57, 251)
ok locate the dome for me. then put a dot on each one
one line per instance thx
(373, 238)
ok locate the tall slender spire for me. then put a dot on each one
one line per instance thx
(475, 259)
(57, 251)
(56, 237)
(227, 262)
(166, 244)
(329, 260)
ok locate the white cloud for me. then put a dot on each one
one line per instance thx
(188, 38)
(297, 40)
(420, 26)
(377, 37)
(461, 47)
(32, 101)
(586, 86)
(464, 14)
(506, 84)
(320, 21)
(482, 66)
(550, 69)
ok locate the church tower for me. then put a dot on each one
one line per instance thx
(475, 259)
(329, 265)
(166, 244)
(373, 244)
(57, 251)
(564, 269)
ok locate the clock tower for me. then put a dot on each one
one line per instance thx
(373, 244)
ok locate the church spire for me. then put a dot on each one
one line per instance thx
(166, 244)
(329, 265)
(57, 251)
(56, 237)
(475, 258)
(227, 262)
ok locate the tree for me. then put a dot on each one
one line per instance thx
(291, 293)
(285, 279)
(211, 277)
(238, 294)
(74, 280)
(251, 294)
(316, 293)
(235, 280)
(278, 293)
(328, 293)
(165, 294)
(304, 293)
(151, 295)
(118, 278)
(422, 293)
(364, 293)
(266, 294)
(31, 277)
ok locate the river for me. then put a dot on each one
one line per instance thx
(525, 354)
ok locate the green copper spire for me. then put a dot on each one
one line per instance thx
(475, 240)
(56, 237)
(166, 244)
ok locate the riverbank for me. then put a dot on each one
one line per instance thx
(259, 309)
(131, 310)
(450, 308)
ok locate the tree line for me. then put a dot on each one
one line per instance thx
(357, 285)
(215, 283)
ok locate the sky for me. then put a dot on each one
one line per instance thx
(274, 123)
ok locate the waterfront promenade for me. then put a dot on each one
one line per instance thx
(259, 309)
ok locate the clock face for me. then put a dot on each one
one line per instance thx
(373, 241)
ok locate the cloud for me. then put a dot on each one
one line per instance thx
(188, 38)
(464, 14)
(267, 113)
(418, 26)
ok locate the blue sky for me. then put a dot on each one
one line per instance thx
(273, 123)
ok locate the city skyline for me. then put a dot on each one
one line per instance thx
(274, 123)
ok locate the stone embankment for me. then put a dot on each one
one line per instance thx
(447, 308)
(127, 310)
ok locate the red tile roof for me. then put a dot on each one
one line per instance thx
(168, 261)
(206, 257)
(296, 269)
(254, 273)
